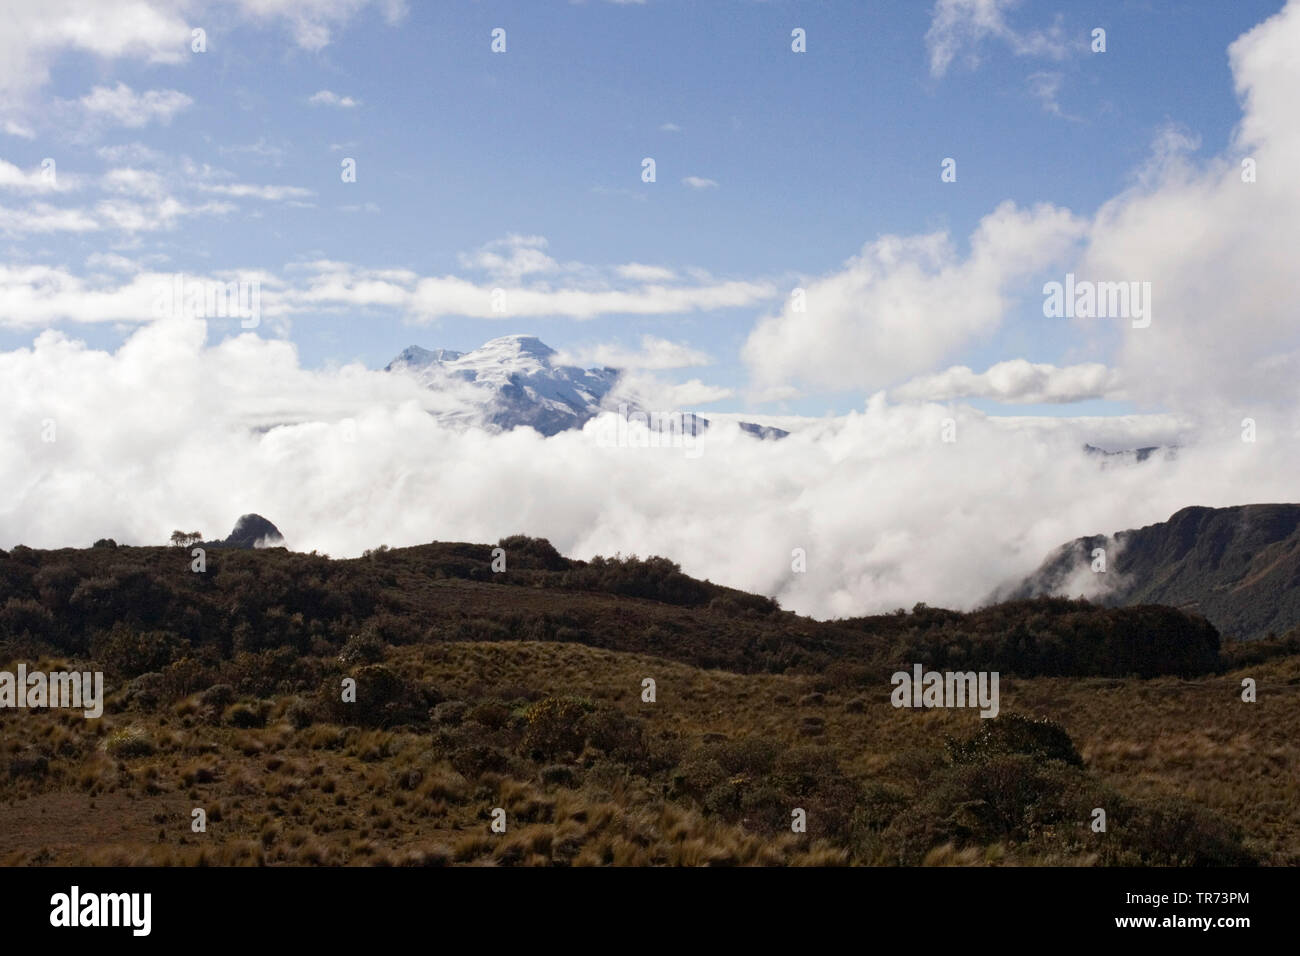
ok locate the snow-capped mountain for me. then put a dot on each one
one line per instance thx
(514, 380)
(520, 383)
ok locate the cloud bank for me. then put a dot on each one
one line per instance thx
(169, 431)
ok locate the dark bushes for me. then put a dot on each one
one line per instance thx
(383, 699)
(1015, 734)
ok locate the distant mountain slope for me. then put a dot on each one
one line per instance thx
(517, 383)
(1239, 567)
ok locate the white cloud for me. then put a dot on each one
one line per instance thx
(958, 26)
(654, 353)
(641, 388)
(1016, 381)
(670, 128)
(112, 262)
(329, 98)
(1045, 86)
(699, 182)
(123, 106)
(249, 190)
(437, 297)
(511, 258)
(153, 31)
(130, 181)
(1218, 252)
(22, 131)
(907, 302)
(149, 216)
(324, 285)
(638, 272)
(42, 218)
(35, 34)
(313, 22)
(134, 154)
(34, 180)
(870, 496)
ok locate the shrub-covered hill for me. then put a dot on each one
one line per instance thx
(523, 690)
(144, 609)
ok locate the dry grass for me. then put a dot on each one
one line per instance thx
(423, 795)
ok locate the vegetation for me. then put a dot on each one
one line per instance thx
(523, 690)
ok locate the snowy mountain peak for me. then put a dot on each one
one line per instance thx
(513, 381)
(516, 382)
(518, 345)
(415, 357)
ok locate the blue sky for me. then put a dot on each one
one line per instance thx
(812, 154)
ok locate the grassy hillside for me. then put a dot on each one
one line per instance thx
(523, 691)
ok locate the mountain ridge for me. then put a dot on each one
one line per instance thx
(1238, 566)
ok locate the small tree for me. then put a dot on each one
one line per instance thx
(179, 539)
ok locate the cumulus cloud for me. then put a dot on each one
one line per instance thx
(1213, 238)
(906, 302)
(35, 34)
(1217, 250)
(699, 182)
(1016, 381)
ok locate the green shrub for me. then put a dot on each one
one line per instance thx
(383, 699)
(1015, 734)
(555, 728)
(128, 742)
